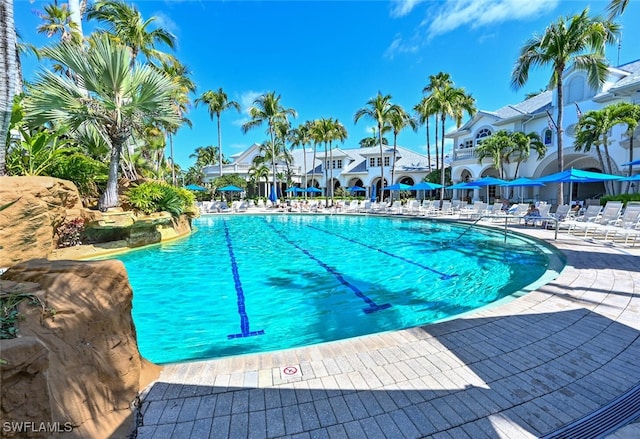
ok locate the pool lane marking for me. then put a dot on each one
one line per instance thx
(443, 276)
(373, 307)
(242, 311)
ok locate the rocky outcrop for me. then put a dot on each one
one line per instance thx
(38, 205)
(77, 360)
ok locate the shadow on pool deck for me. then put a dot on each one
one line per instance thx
(499, 376)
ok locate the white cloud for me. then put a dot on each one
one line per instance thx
(449, 15)
(401, 8)
(247, 98)
(479, 13)
(162, 20)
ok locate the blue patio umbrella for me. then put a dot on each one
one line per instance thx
(356, 189)
(489, 181)
(373, 197)
(230, 188)
(633, 163)
(398, 187)
(313, 190)
(635, 177)
(577, 176)
(195, 187)
(463, 185)
(522, 182)
(425, 186)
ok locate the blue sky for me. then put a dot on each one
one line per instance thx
(327, 58)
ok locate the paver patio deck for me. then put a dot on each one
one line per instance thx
(519, 370)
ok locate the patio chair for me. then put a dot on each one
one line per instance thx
(609, 214)
(589, 215)
(627, 221)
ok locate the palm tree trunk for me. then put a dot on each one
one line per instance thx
(331, 170)
(442, 161)
(313, 164)
(109, 197)
(608, 184)
(436, 130)
(173, 162)
(630, 158)
(428, 145)
(8, 74)
(326, 178)
(381, 195)
(219, 146)
(304, 159)
(560, 194)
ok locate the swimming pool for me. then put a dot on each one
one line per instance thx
(245, 284)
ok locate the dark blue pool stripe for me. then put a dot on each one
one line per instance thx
(443, 276)
(242, 311)
(373, 307)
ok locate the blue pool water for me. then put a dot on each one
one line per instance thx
(246, 284)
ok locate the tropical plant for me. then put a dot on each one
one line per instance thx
(8, 69)
(217, 102)
(154, 196)
(87, 173)
(70, 233)
(437, 82)
(616, 8)
(128, 27)
(35, 152)
(379, 109)
(57, 20)
(451, 102)
(505, 147)
(257, 171)
(300, 137)
(267, 108)
(399, 120)
(424, 110)
(580, 40)
(114, 99)
(594, 128)
(206, 155)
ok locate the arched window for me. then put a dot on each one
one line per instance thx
(482, 134)
(574, 90)
(547, 136)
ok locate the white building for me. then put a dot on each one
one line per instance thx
(622, 84)
(345, 168)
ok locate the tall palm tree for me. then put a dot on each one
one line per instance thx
(128, 26)
(424, 110)
(8, 74)
(378, 109)
(321, 133)
(580, 40)
(267, 108)
(116, 100)
(451, 102)
(259, 170)
(522, 146)
(217, 102)
(437, 82)
(339, 134)
(300, 137)
(179, 75)
(399, 120)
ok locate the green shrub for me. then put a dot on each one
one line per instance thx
(625, 198)
(85, 172)
(153, 196)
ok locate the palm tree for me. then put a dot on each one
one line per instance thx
(399, 120)
(379, 109)
(116, 100)
(451, 102)
(437, 82)
(8, 73)
(578, 39)
(594, 127)
(257, 171)
(179, 74)
(321, 133)
(58, 20)
(522, 146)
(338, 133)
(206, 155)
(267, 108)
(217, 102)
(300, 137)
(128, 27)
(424, 110)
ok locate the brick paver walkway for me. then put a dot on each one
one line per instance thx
(519, 370)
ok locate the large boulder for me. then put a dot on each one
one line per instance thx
(37, 206)
(82, 342)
